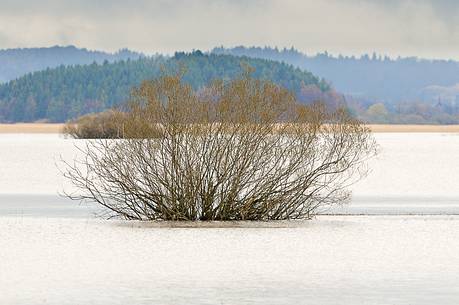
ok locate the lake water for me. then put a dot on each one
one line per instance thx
(405, 251)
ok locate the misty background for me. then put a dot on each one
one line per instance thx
(387, 61)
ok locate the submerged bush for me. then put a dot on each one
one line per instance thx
(238, 150)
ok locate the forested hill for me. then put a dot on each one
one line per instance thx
(17, 62)
(370, 76)
(69, 91)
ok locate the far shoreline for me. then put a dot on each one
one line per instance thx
(31, 128)
(411, 128)
(52, 128)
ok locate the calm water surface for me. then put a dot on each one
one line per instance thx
(56, 252)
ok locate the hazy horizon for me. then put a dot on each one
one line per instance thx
(425, 28)
(271, 47)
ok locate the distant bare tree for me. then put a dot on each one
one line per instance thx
(237, 150)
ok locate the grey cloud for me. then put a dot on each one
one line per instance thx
(406, 27)
(446, 10)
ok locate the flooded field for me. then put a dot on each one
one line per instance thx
(415, 173)
(402, 251)
(354, 259)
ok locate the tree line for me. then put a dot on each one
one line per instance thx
(66, 92)
(377, 88)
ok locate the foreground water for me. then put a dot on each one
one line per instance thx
(55, 252)
(331, 260)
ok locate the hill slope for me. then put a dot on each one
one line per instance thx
(374, 77)
(17, 62)
(67, 92)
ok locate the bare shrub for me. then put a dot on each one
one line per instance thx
(104, 125)
(240, 150)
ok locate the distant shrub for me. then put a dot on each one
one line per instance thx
(444, 118)
(412, 119)
(104, 125)
(377, 113)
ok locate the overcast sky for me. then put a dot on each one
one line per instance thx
(425, 28)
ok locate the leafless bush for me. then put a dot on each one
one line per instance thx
(241, 150)
(104, 125)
